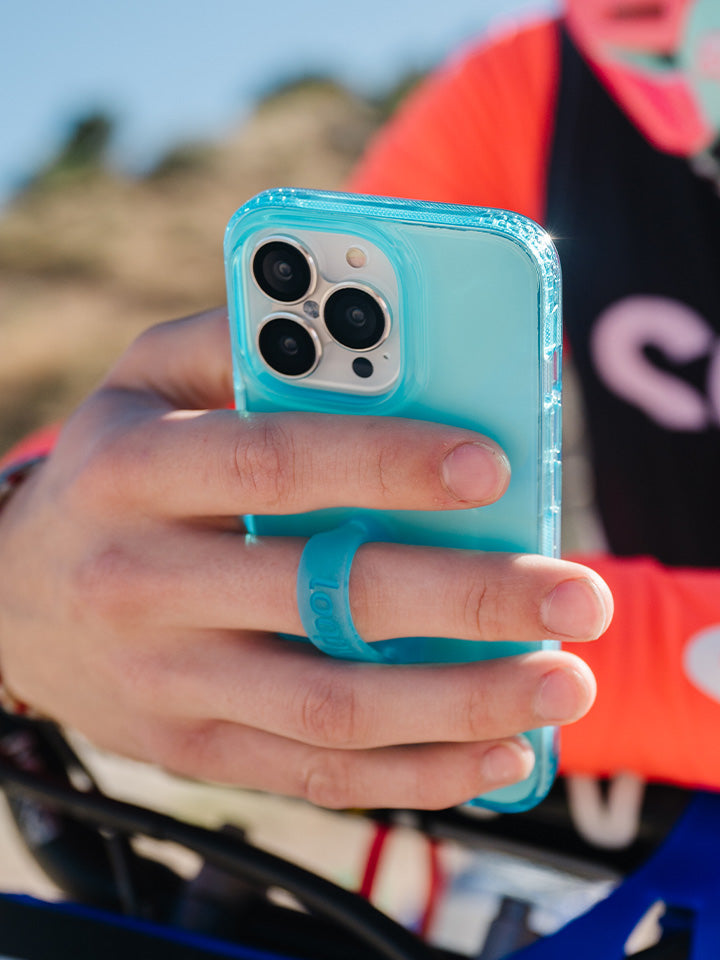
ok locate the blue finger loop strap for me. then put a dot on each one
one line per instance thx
(323, 592)
(684, 872)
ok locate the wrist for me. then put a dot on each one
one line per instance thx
(11, 478)
(14, 474)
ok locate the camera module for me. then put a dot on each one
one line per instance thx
(355, 318)
(288, 347)
(282, 271)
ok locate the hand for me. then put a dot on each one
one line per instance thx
(133, 608)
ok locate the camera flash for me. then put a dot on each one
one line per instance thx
(356, 257)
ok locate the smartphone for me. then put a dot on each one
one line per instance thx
(349, 304)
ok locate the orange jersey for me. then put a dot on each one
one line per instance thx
(476, 132)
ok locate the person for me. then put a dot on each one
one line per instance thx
(133, 609)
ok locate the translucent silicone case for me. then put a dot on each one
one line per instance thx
(474, 310)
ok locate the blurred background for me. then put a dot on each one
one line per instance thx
(132, 131)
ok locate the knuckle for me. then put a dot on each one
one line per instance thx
(189, 750)
(478, 714)
(324, 781)
(329, 714)
(110, 473)
(479, 615)
(264, 460)
(146, 344)
(385, 468)
(112, 585)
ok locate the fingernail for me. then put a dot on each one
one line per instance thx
(562, 696)
(476, 471)
(508, 762)
(575, 609)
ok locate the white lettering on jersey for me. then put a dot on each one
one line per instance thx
(713, 385)
(701, 661)
(612, 822)
(618, 340)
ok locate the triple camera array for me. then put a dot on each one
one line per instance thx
(353, 316)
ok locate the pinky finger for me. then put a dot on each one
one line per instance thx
(417, 776)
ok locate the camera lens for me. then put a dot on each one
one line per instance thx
(287, 347)
(355, 318)
(282, 271)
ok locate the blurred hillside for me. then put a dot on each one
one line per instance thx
(88, 257)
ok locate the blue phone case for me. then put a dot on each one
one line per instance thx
(473, 302)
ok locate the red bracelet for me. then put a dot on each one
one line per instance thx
(10, 479)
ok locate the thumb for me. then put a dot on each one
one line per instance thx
(187, 361)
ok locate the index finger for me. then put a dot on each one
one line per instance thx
(187, 362)
(218, 464)
(192, 463)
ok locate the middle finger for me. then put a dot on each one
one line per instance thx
(212, 579)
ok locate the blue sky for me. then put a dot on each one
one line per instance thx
(173, 71)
